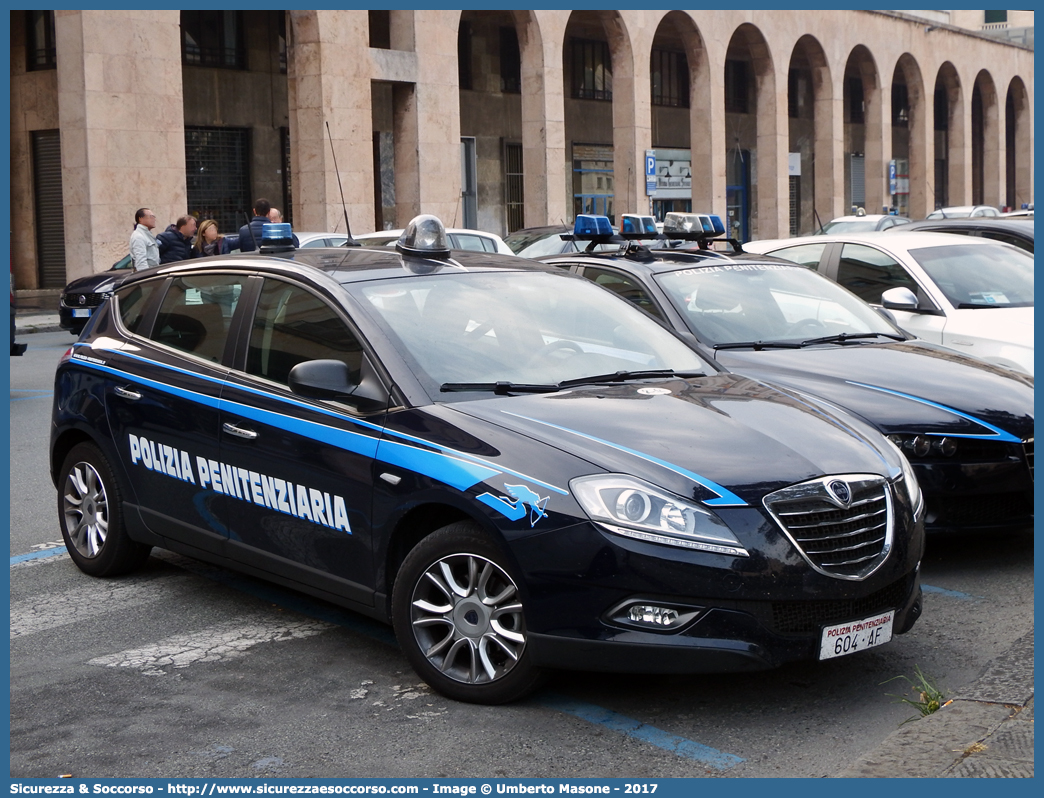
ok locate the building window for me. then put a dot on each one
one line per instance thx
(282, 42)
(795, 204)
(900, 105)
(464, 56)
(592, 76)
(510, 61)
(380, 29)
(737, 87)
(993, 17)
(855, 104)
(218, 175)
(288, 186)
(593, 179)
(213, 39)
(670, 78)
(514, 197)
(40, 50)
(800, 98)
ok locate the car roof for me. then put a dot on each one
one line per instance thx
(657, 261)
(897, 239)
(346, 265)
(1023, 226)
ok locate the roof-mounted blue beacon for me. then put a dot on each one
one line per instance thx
(276, 238)
(699, 227)
(632, 224)
(588, 225)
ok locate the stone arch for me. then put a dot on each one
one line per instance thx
(910, 134)
(810, 111)
(864, 136)
(951, 169)
(687, 125)
(751, 128)
(1018, 144)
(986, 141)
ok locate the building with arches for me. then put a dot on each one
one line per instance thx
(499, 119)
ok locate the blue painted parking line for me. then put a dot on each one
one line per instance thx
(30, 394)
(641, 731)
(951, 593)
(36, 555)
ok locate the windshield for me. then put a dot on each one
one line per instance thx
(741, 302)
(519, 328)
(860, 226)
(983, 276)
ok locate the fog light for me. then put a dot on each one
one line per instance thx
(947, 447)
(919, 445)
(653, 616)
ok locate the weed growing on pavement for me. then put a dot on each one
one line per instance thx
(928, 697)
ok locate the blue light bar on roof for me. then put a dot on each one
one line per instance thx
(591, 225)
(693, 223)
(633, 224)
(276, 232)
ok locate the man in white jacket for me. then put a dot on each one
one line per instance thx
(143, 247)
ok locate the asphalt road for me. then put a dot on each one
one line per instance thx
(186, 670)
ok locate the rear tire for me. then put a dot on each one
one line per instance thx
(90, 511)
(459, 618)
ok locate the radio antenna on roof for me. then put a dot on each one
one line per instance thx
(347, 227)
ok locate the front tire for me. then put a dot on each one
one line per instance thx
(90, 511)
(458, 616)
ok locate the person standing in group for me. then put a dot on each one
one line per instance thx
(250, 234)
(210, 242)
(144, 249)
(275, 216)
(175, 243)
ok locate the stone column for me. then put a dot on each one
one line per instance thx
(120, 109)
(958, 155)
(922, 150)
(707, 128)
(993, 147)
(878, 141)
(829, 201)
(328, 82)
(630, 43)
(541, 35)
(773, 185)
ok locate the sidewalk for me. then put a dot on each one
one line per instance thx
(986, 731)
(34, 320)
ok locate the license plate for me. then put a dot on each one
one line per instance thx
(81, 313)
(847, 638)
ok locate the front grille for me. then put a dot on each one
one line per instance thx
(89, 300)
(803, 617)
(842, 525)
(1027, 449)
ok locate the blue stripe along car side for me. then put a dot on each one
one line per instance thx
(452, 468)
(996, 433)
(726, 498)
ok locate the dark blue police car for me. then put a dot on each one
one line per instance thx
(965, 424)
(516, 468)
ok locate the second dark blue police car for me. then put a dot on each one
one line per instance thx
(965, 424)
(518, 470)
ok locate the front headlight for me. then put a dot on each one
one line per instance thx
(633, 508)
(913, 487)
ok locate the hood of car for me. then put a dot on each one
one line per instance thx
(903, 387)
(96, 283)
(734, 437)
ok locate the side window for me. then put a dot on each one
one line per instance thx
(625, 286)
(196, 313)
(292, 325)
(133, 302)
(806, 254)
(868, 272)
(1007, 238)
(465, 241)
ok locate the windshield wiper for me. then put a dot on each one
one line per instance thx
(840, 338)
(504, 387)
(757, 346)
(498, 387)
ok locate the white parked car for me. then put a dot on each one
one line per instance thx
(309, 240)
(459, 238)
(963, 211)
(974, 295)
(862, 223)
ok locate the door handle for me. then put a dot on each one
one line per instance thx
(239, 432)
(127, 393)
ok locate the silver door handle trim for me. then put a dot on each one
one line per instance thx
(239, 432)
(126, 393)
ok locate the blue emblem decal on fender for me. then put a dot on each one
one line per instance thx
(515, 507)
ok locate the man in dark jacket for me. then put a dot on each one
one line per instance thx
(175, 243)
(250, 234)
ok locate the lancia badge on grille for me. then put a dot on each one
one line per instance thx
(81, 298)
(840, 491)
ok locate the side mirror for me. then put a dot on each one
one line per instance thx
(899, 299)
(332, 379)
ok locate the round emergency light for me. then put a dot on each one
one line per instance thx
(425, 235)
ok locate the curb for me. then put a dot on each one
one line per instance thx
(986, 730)
(36, 328)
